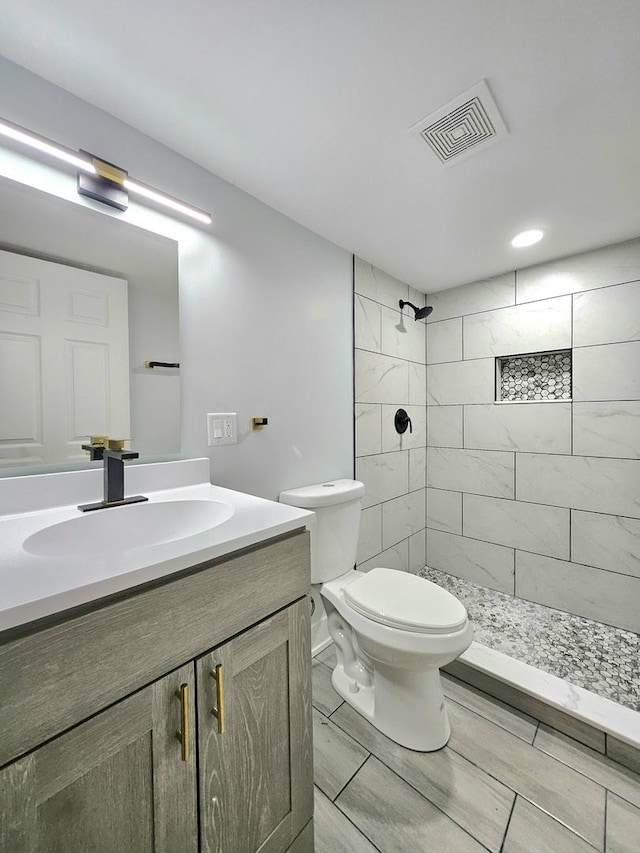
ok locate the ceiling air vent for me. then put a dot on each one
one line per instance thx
(465, 125)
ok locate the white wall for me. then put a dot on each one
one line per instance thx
(266, 314)
(540, 499)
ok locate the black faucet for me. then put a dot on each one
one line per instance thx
(111, 451)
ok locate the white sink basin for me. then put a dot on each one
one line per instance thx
(127, 528)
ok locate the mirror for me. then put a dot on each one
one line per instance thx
(68, 274)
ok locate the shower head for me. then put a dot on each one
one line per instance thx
(421, 313)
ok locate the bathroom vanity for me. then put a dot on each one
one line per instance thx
(170, 715)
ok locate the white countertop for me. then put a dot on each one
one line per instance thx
(33, 586)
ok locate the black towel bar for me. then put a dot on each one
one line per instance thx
(161, 364)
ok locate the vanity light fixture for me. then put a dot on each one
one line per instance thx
(97, 178)
(41, 143)
(527, 238)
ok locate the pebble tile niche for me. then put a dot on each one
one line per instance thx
(535, 377)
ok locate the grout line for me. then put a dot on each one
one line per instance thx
(506, 829)
(515, 548)
(517, 354)
(472, 688)
(406, 782)
(545, 402)
(500, 703)
(487, 772)
(431, 803)
(489, 720)
(353, 360)
(335, 710)
(517, 304)
(537, 503)
(523, 796)
(571, 395)
(346, 816)
(464, 445)
(608, 344)
(386, 355)
(571, 560)
(354, 774)
(561, 823)
(605, 846)
(597, 755)
(462, 324)
(528, 452)
(511, 403)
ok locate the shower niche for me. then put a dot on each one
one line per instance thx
(536, 377)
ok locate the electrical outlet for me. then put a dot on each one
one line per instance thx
(222, 428)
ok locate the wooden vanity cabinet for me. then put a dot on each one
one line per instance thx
(254, 743)
(114, 783)
(125, 778)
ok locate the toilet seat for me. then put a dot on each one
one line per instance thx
(405, 601)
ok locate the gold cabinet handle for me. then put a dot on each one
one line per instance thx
(183, 736)
(218, 712)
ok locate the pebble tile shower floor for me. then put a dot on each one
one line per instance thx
(505, 783)
(600, 658)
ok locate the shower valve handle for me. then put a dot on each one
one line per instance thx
(402, 421)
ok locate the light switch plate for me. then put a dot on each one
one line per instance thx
(222, 428)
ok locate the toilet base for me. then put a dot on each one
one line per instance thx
(406, 706)
(320, 637)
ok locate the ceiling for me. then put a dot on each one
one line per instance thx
(306, 105)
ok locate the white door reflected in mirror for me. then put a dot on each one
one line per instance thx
(64, 359)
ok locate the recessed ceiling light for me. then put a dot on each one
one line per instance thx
(527, 238)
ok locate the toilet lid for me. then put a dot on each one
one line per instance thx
(405, 601)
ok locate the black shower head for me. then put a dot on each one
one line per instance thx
(421, 313)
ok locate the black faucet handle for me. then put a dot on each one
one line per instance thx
(124, 454)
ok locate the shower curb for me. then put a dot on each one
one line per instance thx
(595, 721)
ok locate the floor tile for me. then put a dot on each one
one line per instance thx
(334, 833)
(304, 841)
(396, 819)
(557, 789)
(622, 752)
(328, 656)
(533, 831)
(336, 756)
(514, 721)
(623, 826)
(480, 804)
(323, 696)
(601, 769)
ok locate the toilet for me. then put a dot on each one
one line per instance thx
(392, 630)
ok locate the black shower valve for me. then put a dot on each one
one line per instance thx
(402, 421)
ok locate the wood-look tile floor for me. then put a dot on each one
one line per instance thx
(505, 783)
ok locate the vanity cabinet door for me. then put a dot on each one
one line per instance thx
(115, 783)
(254, 731)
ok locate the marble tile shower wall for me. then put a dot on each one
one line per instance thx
(390, 373)
(541, 500)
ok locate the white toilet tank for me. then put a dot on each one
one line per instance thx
(334, 542)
